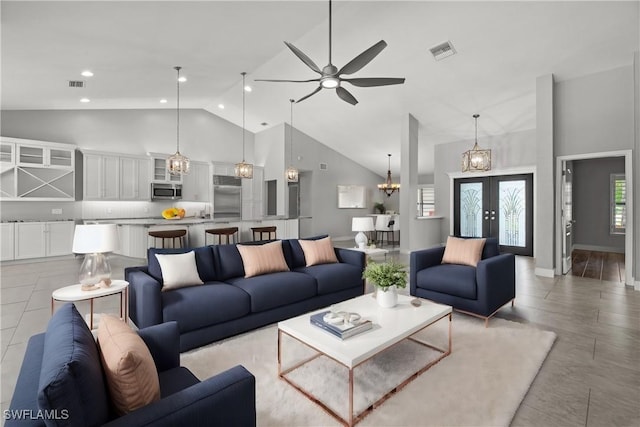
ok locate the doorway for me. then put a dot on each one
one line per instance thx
(496, 206)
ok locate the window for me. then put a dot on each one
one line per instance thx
(618, 204)
(426, 201)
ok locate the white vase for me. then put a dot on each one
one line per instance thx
(387, 299)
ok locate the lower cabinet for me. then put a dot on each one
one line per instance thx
(133, 240)
(43, 239)
(6, 234)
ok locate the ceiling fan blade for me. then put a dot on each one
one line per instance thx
(304, 58)
(363, 59)
(311, 94)
(375, 81)
(290, 81)
(346, 96)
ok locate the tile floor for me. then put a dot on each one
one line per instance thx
(590, 378)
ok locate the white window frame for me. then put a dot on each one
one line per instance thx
(614, 227)
(424, 209)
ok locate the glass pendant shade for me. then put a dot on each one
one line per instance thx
(243, 169)
(476, 159)
(389, 187)
(177, 164)
(292, 173)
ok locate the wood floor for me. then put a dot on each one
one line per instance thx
(591, 376)
(598, 265)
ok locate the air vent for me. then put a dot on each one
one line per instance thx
(323, 166)
(443, 50)
(77, 83)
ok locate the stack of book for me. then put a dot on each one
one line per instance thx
(341, 330)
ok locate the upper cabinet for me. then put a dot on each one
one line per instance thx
(160, 173)
(134, 181)
(111, 176)
(195, 185)
(36, 170)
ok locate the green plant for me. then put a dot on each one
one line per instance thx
(379, 207)
(386, 274)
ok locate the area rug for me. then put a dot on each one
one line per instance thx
(481, 383)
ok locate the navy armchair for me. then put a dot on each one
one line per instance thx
(479, 291)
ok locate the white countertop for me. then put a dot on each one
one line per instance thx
(182, 221)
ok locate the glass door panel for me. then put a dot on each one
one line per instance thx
(471, 209)
(512, 204)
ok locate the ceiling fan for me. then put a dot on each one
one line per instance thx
(330, 75)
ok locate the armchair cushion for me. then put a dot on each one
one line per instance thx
(463, 251)
(451, 279)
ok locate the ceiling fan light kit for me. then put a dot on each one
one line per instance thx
(243, 169)
(177, 164)
(389, 187)
(476, 159)
(330, 75)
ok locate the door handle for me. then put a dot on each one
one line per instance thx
(493, 212)
(493, 218)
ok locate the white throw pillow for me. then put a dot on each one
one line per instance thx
(179, 270)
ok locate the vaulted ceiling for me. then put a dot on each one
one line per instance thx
(131, 47)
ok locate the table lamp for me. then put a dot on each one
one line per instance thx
(95, 241)
(361, 224)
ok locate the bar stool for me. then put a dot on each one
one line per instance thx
(261, 231)
(168, 235)
(230, 235)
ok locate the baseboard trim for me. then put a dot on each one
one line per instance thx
(545, 272)
(598, 248)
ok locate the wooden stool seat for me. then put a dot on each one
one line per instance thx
(229, 234)
(259, 232)
(171, 235)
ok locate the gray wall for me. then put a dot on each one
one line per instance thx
(591, 203)
(203, 136)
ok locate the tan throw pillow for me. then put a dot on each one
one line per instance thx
(179, 270)
(262, 259)
(463, 251)
(131, 373)
(318, 251)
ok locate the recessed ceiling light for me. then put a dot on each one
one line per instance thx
(248, 88)
(85, 100)
(163, 101)
(87, 73)
(264, 124)
(182, 79)
(221, 106)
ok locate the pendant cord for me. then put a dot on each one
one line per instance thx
(329, 32)
(243, 96)
(178, 110)
(291, 134)
(475, 116)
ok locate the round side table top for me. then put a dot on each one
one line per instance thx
(75, 293)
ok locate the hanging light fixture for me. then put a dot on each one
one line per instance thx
(476, 159)
(292, 172)
(178, 164)
(243, 169)
(388, 187)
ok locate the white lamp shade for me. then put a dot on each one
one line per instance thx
(95, 238)
(362, 224)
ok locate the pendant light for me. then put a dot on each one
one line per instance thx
(243, 169)
(388, 187)
(476, 159)
(178, 164)
(292, 172)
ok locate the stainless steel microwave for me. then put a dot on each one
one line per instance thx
(166, 191)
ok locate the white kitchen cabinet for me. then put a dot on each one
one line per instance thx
(252, 195)
(133, 240)
(7, 238)
(225, 169)
(134, 178)
(160, 173)
(7, 169)
(101, 176)
(43, 239)
(196, 184)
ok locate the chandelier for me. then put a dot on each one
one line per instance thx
(476, 159)
(388, 187)
(243, 169)
(177, 164)
(292, 172)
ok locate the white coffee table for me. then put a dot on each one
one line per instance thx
(391, 325)
(75, 293)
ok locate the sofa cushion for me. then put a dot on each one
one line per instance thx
(463, 251)
(293, 252)
(452, 279)
(204, 261)
(178, 270)
(129, 368)
(262, 259)
(276, 289)
(334, 277)
(229, 262)
(71, 374)
(206, 305)
(318, 251)
(491, 248)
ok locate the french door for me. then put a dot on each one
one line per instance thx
(496, 206)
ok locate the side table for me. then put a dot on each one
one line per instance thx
(74, 293)
(372, 251)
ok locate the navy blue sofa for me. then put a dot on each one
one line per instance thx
(228, 303)
(61, 383)
(479, 291)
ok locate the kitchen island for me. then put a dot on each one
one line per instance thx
(134, 232)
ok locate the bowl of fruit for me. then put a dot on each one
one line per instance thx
(173, 213)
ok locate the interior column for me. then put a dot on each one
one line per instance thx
(408, 181)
